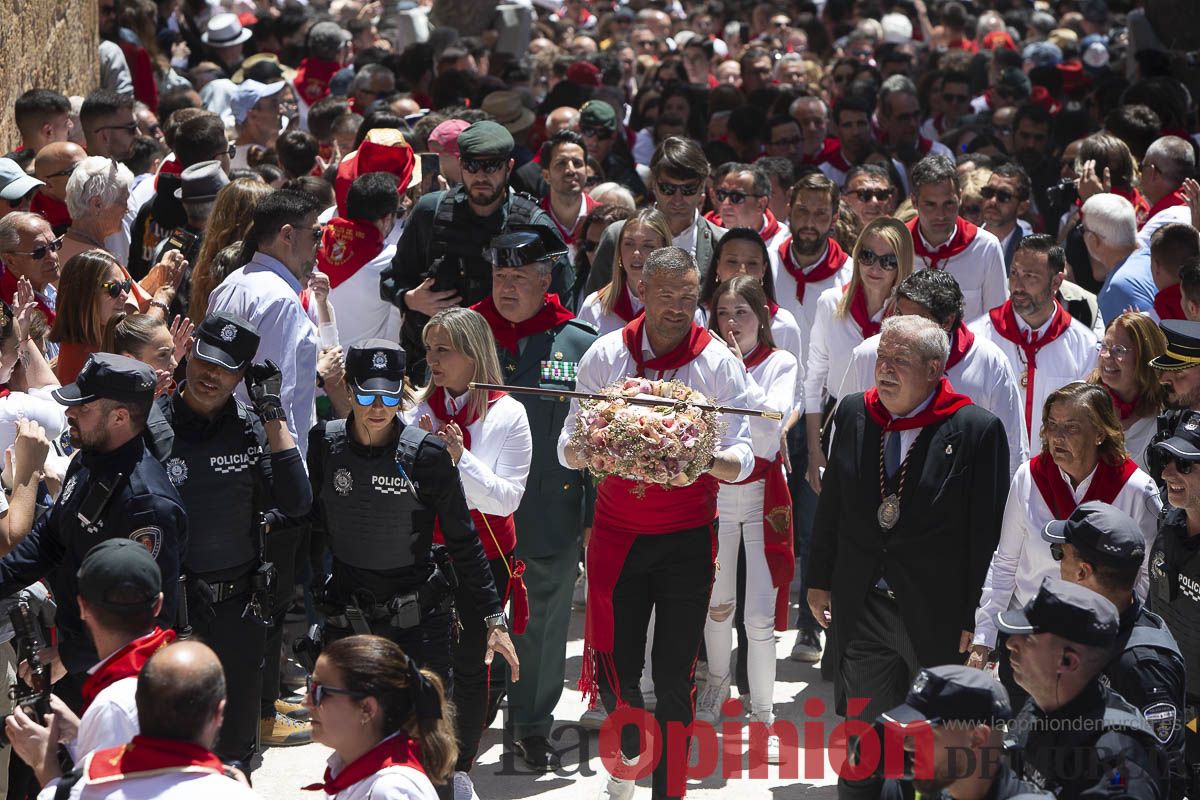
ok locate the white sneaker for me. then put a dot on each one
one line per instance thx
(649, 700)
(617, 789)
(708, 706)
(579, 596)
(593, 718)
(772, 748)
(464, 789)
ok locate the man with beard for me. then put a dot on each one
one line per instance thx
(440, 260)
(563, 158)
(1179, 373)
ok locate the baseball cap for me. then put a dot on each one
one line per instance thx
(377, 366)
(119, 564)
(1185, 439)
(226, 340)
(250, 92)
(106, 376)
(15, 183)
(952, 693)
(1101, 532)
(445, 136)
(1073, 612)
(1043, 54)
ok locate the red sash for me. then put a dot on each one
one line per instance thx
(8, 290)
(964, 234)
(1004, 320)
(145, 757)
(1107, 483)
(961, 342)
(568, 234)
(861, 314)
(346, 245)
(53, 211)
(394, 751)
(1140, 205)
(125, 663)
(1175, 198)
(312, 78)
(944, 404)
(509, 334)
(1124, 409)
(827, 267)
(1168, 303)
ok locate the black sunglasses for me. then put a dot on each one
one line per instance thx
(117, 288)
(737, 198)
(1056, 551)
(318, 691)
(867, 195)
(490, 166)
(64, 173)
(671, 189)
(1003, 195)
(1181, 466)
(42, 250)
(597, 133)
(869, 258)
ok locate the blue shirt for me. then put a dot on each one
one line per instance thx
(1130, 283)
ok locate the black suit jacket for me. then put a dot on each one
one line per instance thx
(937, 555)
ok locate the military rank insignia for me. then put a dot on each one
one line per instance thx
(562, 371)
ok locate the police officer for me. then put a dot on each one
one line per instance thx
(970, 708)
(1175, 569)
(440, 260)
(1179, 374)
(1075, 737)
(233, 466)
(114, 488)
(1100, 547)
(378, 485)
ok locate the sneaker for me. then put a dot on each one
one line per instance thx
(281, 731)
(579, 596)
(463, 789)
(617, 789)
(649, 700)
(807, 649)
(772, 749)
(293, 710)
(708, 707)
(593, 718)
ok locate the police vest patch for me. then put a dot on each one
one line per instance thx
(177, 471)
(1162, 719)
(149, 538)
(69, 488)
(343, 482)
(1156, 565)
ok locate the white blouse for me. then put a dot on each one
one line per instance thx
(786, 333)
(831, 342)
(770, 388)
(592, 312)
(1137, 439)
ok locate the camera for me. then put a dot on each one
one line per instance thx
(185, 242)
(1063, 194)
(33, 697)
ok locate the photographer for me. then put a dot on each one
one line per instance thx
(201, 183)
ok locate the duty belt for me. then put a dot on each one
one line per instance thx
(227, 590)
(401, 611)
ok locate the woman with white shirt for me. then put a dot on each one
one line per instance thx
(883, 257)
(1123, 368)
(1082, 458)
(611, 307)
(387, 720)
(740, 317)
(487, 434)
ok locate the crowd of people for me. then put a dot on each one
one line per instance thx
(295, 301)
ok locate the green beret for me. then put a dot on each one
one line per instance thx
(485, 139)
(598, 114)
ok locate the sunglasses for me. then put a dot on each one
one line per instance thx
(867, 195)
(787, 141)
(490, 166)
(1056, 551)
(318, 691)
(117, 288)
(595, 133)
(230, 151)
(870, 258)
(672, 189)
(64, 173)
(42, 250)
(369, 399)
(737, 198)
(1181, 466)
(990, 193)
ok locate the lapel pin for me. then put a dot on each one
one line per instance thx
(949, 449)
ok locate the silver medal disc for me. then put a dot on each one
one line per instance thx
(889, 512)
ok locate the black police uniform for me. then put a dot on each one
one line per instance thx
(1183, 352)
(122, 493)
(377, 505)
(232, 484)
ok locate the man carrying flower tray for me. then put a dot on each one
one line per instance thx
(653, 540)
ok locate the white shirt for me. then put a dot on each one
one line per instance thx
(805, 313)
(1070, 357)
(979, 271)
(171, 786)
(37, 406)
(592, 312)
(267, 294)
(687, 239)
(359, 311)
(831, 341)
(495, 469)
(983, 374)
(773, 244)
(392, 783)
(716, 373)
(768, 389)
(1167, 216)
(1022, 558)
(111, 719)
(786, 333)
(1137, 439)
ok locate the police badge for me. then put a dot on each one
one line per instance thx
(1162, 720)
(379, 361)
(343, 482)
(70, 487)
(1191, 423)
(228, 333)
(1156, 565)
(177, 471)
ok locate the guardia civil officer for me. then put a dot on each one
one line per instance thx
(1175, 569)
(114, 488)
(236, 468)
(1075, 737)
(378, 485)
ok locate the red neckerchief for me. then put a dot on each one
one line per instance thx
(1168, 303)
(964, 234)
(827, 267)
(828, 148)
(439, 403)
(962, 339)
(1175, 198)
(346, 245)
(757, 356)
(861, 314)
(944, 404)
(312, 78)
(1124, 410)
(623, 308)
(772, 308)
(568, 234)
(1140, 205)
(963, 43)
(509, 334)
(125, 663)
(688, 348)
(770, 227)
(1004, 320)
(924, 145)
(8, 290)
(147, 756)
(394, 751)
(837, 158)
(1107, 483)
(53, 211)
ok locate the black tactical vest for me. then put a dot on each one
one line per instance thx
(1175, 593)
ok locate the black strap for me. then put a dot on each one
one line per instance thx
(407, 447)
(67, 782)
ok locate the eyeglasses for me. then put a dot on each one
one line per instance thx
(64, 173)
(870, 258)
(671, 189)
(318, 691)
(737, 198)
(42, 250)
(230, 151)
(1056, 551)
(992, 193)
(867, 195)
(117, 288)
(490, 166)
(132, 127)
(595, 133)
(1118, 351)
(1181, 466)
(365, 400)
(317, 231)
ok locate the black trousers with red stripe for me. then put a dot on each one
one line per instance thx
(672, 574)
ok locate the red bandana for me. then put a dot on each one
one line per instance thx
(346, 245)
(568, 234)
(961, 342)
(623, 308)
(509, 334)
(964, 234)
(148, 756)
(1168, 303)
(1004, 320)
(394, 751)
(1175, 198)
(1141, 206)
(827, 267)
(837, 159)
(8, 291)
(829, 149)
(1107, 483)
(944, 404)
(312, 78)
(125, 663)
(1124, 409)
(757, 356)
(53, 211)
(767, 232)
(691, 346)
(772, 308)
(861, 314)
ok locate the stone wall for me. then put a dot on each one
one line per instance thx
(45, 43)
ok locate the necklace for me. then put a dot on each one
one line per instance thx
(888, 513)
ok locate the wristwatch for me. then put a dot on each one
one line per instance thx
(496, 621)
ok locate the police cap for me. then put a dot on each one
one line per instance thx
(1102, 533)
(1185, 441)
(528, 246)
(1183, 345)
(108, 377)
(952, 693)
(1069, 610)
(226, 340)
(376, 366)
(485, 139)
(119, 564)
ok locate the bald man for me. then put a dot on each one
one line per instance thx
(561, 119)
(53, 165)
(528, 177)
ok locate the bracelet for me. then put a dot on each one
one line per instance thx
(160, 304)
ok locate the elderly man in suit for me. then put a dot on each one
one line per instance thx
(907, 520)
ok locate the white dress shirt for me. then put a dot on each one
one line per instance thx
(831, 340)
(359, 311)
(786, 333)
(768, 389)
(1137, 439)
(592, 311)
(266, 293)
(1181, 214)
(1022, 558)
(979, 270)
(173, 785)
(805, 313)
(392, 783)
(111, 719)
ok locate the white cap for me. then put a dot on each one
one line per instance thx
(896, 28)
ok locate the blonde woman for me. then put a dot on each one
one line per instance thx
(883, 256)
(613, 306)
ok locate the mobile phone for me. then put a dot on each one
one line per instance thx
(430, 167)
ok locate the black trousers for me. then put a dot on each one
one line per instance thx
(281, 547)
(671, 574)
(471, 675)
(240, 643)
(429, 644)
